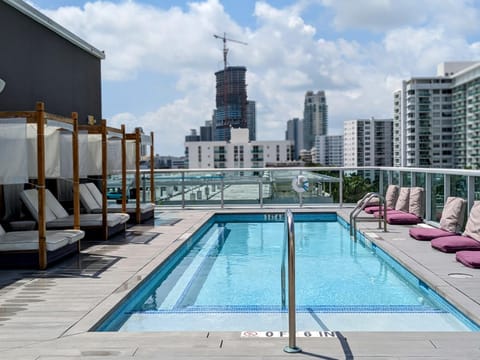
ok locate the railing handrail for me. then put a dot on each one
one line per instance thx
(449, 171)
(292, 332)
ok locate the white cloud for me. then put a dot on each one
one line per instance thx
(286, 55)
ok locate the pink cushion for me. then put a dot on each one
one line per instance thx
(455, 243)
(374, 209)
(428, 233)
(380, 214)
(469, 258)
(402, 218)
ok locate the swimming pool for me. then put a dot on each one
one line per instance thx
(226, 277)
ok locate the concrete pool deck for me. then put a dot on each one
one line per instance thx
(47, 314)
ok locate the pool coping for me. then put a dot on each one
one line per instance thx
(456, 297)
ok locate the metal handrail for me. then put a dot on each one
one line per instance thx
(361, 205)
(283, 269)
(292, 332)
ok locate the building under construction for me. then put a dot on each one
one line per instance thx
(231, 101)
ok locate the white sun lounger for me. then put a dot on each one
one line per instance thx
(56, 217)
(20, 248)
(91, 199)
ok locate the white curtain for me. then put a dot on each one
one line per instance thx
(13, 151)
(52, 151)
(66, 157)
(94, 155)
(130, 156)
(114, 156)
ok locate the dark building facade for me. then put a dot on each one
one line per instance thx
(231, 101)
(42, 61)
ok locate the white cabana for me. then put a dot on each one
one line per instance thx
(29, 151)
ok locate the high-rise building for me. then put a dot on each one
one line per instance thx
(439, 118)
(295, 133)
(368, 142)
(231, 101)
(206, 131)
(315, 117)
(252, 120)
(328, 150)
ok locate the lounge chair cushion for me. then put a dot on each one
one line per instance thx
(96, 202)
(52, 204)
(391, 196)
(28, 240)
(428, 233)
(415, 202)
(469, 258)
(396, 217)
(374, 208)
(455, 243)
(453, 214)
(30, 199)
(403, 199)
(472, 228)
(88, 201)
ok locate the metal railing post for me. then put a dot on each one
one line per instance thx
(260, 192)
(222, 187)
(183, 190)
(292, 331)
(340, 189)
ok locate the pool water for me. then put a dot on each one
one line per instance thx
(229, 279)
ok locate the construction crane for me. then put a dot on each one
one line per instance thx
(225, 49)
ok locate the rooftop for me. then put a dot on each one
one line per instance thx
(48, 314)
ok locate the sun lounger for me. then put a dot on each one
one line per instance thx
(91, 199)
(453, 215)
(19, 249)
(469, 258)
(469, 240)
(57, 217)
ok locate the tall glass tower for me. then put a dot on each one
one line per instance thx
(315, 117)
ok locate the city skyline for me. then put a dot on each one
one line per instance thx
(161, 56)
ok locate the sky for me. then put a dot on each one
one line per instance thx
(161, 56)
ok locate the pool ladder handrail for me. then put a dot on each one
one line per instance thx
(354, 218)
(290, 236)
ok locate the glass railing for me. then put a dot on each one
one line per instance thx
(262, 187)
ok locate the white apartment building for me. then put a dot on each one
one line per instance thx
(437, 119)
(328, 150)
(368, 142)
(239, 152)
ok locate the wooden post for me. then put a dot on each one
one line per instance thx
(42, 240)
(137, 176)
(104, 179)
(124, 170)
(152, 170)
(76, 176)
